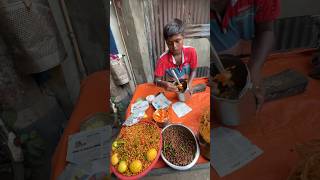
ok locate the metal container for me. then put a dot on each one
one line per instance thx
(184, 96)
(196, 155)
(233, 112)
(204, 147)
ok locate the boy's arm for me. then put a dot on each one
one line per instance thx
(192, 76)
(262, 44)
(158, 81)
(194, 65)
(158, 74)
(267, 13)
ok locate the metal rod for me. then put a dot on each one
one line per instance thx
(74, 41)
(174, 74)
(216, 60)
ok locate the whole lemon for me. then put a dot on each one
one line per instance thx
(151, 154)
(135, 166)
(114, 145)
(114, 159)
(145, 116)
(122, 166)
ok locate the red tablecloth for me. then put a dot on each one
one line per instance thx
(198, 102)
(93, 98)
(281, 124)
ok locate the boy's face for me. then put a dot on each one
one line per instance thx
(175, 44)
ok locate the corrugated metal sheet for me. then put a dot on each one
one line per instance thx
(195, 14)
(296, 32)
(202, 72)
(293, 33)
(189, 11)
(197, 30)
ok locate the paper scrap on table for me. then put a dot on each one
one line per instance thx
(161, 102)
(140, 106)
(134, 118)
(137, 112)
(88, 145)
(181, 109)
(231, 151)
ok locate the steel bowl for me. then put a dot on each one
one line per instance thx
(196, 155)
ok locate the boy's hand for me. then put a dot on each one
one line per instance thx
(259, 92)
(258, 89)
(190, 87)
(171, 87)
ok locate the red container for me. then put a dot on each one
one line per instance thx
(145, 172)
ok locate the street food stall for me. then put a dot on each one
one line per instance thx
(93, 99)
(162, 129)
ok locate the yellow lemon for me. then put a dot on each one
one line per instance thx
(151, 154)
(122, 166)
(135, 166)
(145, 116)
(114, 159)
(114, 145)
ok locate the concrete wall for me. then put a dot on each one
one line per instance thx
(68, 68)
(90, 25)
(89, 20)
(135, 40)
(202, 46)
(135, 35)
(121, 48)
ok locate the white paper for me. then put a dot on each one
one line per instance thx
(181, 109)
(139, 107)
(133, 119)
(161, 102)
(88, 145)
(230, 151)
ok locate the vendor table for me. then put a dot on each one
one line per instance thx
(93, 98)
(198, 102)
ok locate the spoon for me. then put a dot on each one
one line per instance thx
(175, 76)
(216, 60)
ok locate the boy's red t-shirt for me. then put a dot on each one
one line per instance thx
(166, 63)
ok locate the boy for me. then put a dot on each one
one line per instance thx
(179, 58)
(233, 20)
